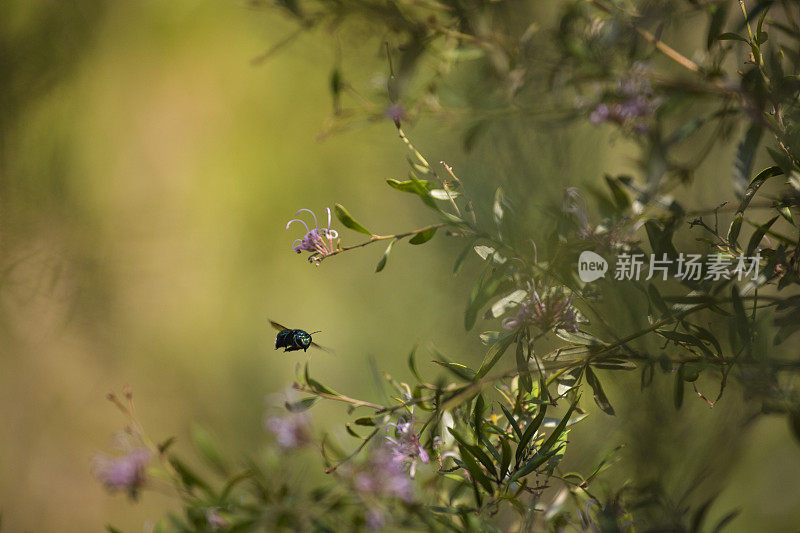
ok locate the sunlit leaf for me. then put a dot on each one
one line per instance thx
(348, 221)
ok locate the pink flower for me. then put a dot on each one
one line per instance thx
(405, 446)
(318, 241)
(382, 476)
(290, 431)
(126, 472)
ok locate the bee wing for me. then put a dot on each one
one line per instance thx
(277, 326)
(323, 348)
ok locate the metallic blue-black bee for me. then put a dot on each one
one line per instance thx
(294, 339)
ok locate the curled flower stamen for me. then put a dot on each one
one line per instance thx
(297, 220)
(316, 224)
(318, 241)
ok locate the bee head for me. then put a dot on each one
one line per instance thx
(302, 339)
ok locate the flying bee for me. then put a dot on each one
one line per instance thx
(294, 339)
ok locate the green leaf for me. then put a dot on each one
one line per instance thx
(613, 364)
(729, 36)
(351, 432)
(657, 300)
(482, 292)
(461, 371)
(684, 338)
(752, 188)
(164, 445)
(621, 198)
(476, 452)
(758, 234)
(474, 469)
(560, 427)
(506, 449)
(745, 154)
(488, 253)
(578, 337)
(462, 257)
(530, 430)
(498, 209)
(415, 186)
(522, 368)
(348, 221)
(409, 186)
(501, 306)
(719, 13)
(189, 478)
(477, 415)
(728, 518)
(512, 421)
(382, 263)
(742, 324)
(535, 462)
(494, 354)
(443, 194)
(412, 363)
(600, 397)
(604, 464)
(423, 237)
(490, 447)
(704, 334)
(208, 449)
(364, 421)
(301, 405)
(316, 386)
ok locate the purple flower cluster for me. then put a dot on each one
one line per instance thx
(290, 431)
(553, 310)
(383, 476)
(405, 446)
(631, 105)
(126, 472)
(318, 241)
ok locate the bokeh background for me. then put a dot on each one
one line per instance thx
(148, 167)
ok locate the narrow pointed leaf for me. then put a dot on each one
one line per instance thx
(348, 221)
(494, 354)
(600, 397)
(560, 427)
(506, 449)
(758, 234)
(512, 421)
(423, 237)
(530, 430)
(474, 469)
(382, 262)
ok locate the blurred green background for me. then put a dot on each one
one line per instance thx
(147, 171)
